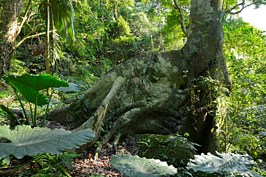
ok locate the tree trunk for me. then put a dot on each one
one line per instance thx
(162, 92)
(9, 30)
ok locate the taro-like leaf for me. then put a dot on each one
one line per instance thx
(135, 166)
(71, 88)
(30, 94)
(37, 83)
(226, 162)
(31, 141)
(27, 85)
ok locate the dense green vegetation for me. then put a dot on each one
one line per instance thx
(111, 32)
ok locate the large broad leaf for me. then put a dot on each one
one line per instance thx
(71, 88)
(37, 83)
(62, 15)
(27, 85)
(227, 162)
(31, 141)
(30, 94)
(134, 166)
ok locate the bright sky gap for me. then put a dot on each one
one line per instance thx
(256, 17)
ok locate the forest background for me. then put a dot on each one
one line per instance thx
(108, 33)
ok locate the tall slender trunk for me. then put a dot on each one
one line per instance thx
(47, 62)
(9, 30)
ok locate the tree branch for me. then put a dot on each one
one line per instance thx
(182, 18)
(28, 36)
(24, 18)
(240, 4)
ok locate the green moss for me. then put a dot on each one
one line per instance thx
(173, 149)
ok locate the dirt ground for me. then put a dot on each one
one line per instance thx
(85, 165)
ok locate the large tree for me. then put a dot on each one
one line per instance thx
(9, 29)
(162, 92)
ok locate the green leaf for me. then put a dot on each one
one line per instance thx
(27, 85)
(71, 88)
(6, 161)
(13, 119)
(134, 166)
(37, 83)
(144, 70)
(227, 162)
(32, 141)
(156, 78)
(30, 94)
(144, 81)
(61, 14)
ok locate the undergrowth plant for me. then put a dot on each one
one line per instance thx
(246, 106)
(29, 139)
(29, 87)
(24, 140)
(50, 164)
(212, 165)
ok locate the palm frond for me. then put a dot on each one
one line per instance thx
(61, 15)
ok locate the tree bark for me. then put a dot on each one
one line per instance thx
(206, 58)
(9, 30)
(162, 92)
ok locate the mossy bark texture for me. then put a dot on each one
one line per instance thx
(152, 92)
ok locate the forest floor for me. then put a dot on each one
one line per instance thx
(85, 165)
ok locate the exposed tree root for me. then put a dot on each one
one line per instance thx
(96, 121)
(147, 94)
